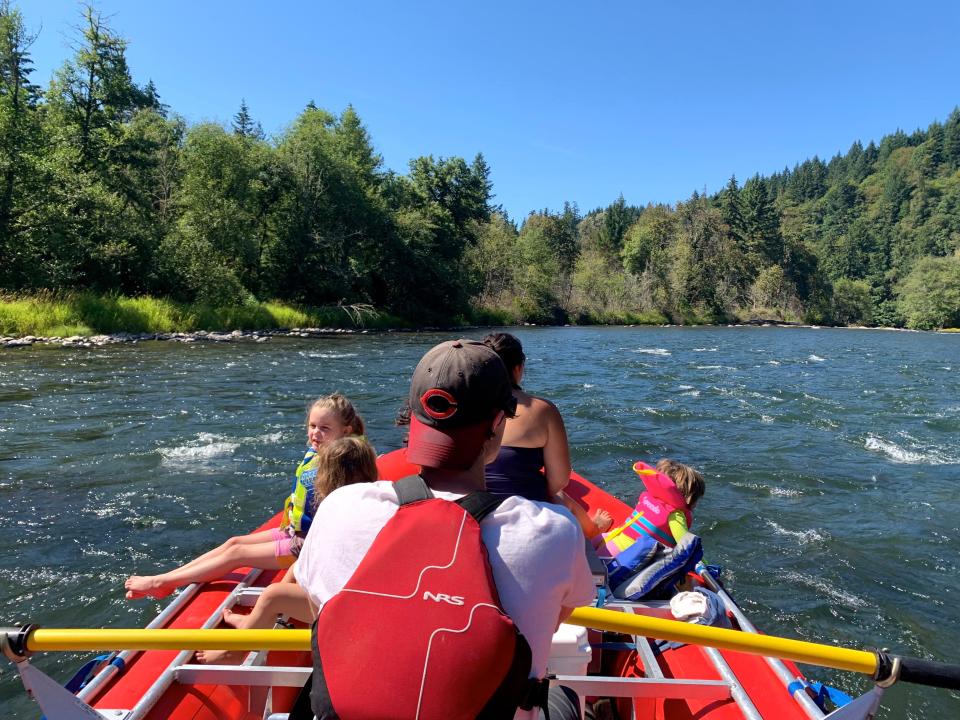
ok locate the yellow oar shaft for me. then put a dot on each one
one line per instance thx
(797, 650)
(43, 639)
(861, 661)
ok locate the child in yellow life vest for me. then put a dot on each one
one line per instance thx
(329, 418)
(337, 463)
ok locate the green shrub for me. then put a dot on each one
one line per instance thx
(87, 313)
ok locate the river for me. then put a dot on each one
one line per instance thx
(832, 460)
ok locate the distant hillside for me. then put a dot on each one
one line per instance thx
(104, 189)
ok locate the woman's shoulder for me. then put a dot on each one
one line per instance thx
(545, 413)
(542, 406)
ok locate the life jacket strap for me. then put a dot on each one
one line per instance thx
(536, 695)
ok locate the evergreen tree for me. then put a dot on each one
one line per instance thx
(617, 219)
(93, 94)
(90, 200)
(20, 146)
(244, 125)
(571, 218)
(951, 140)
(857, 165)
(732, 210)
(353, 143)
(890, 143)
(482, 184)
(761, 222)
(151, 100)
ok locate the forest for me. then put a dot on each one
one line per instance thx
(104, 189)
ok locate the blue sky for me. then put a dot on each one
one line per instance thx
(570, 101)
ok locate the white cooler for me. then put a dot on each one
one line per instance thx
(570, 651)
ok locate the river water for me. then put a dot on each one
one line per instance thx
(832, 460)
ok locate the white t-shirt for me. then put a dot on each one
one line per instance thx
(536, 552)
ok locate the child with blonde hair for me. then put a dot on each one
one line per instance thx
(664, 510)
(652, 552)
(339, 463)
(329, 417)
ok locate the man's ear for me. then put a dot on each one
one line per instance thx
(495, 423)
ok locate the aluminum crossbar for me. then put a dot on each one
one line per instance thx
(280, 676)
(667, 688)
(247, 675)
(160, 685)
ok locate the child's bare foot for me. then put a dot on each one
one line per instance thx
(141, 586)
(235, 619)
(602, 519)
(221, 657)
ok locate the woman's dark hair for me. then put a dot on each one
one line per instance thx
(507, 347)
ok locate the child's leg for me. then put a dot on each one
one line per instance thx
(281, 598)
(291, 575)
(260, 555)
(252, 538)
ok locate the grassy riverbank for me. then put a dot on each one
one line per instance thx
(88, 313)
(64, 315)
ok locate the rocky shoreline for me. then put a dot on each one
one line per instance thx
(259, 336)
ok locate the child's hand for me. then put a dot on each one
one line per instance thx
(602, 519)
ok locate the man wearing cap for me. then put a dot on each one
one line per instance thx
(460, 395)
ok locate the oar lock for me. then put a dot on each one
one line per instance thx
(888, 669)
(13, 641)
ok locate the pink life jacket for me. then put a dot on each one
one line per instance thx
(651, 515)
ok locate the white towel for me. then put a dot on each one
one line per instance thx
(701, 607)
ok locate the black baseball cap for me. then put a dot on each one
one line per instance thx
(456, 390)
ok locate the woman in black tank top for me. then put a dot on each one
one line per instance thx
(534, 438)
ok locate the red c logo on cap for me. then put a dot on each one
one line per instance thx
(448, 402)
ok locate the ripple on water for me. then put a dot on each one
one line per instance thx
(803, 537)
(207, 446)
(910, 456)
(661, 352)
(826, 589)
(771, 489)
(328, 355)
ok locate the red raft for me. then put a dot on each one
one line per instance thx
(628, 675)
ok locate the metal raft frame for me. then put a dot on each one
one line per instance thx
(76, 706)
(59, 704)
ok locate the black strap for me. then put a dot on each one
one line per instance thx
(302, 709)
(537, 695)
(480, 503)
(412, 489)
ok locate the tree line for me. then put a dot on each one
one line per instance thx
(104, 188)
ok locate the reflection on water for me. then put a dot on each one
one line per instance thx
(831, 460)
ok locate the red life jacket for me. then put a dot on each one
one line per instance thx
(418, 631)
